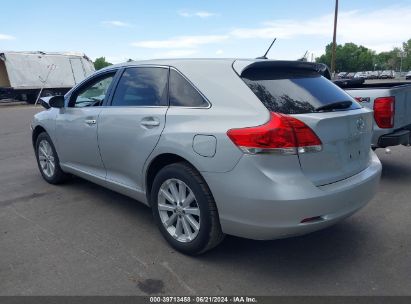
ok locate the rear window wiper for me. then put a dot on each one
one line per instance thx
(339, 105)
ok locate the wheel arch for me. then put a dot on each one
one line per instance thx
(36, 132)
(159, 162)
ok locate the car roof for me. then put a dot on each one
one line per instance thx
(172, 62)
(239, 64)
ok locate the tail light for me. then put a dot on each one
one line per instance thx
(282, 134)
(384, 108)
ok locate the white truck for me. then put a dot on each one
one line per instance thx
(26, 75)
(391, 102)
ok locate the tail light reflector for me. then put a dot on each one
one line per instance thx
(384, 109)
(282, 134)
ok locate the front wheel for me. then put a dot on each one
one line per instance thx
(184, 209)
(48, 161)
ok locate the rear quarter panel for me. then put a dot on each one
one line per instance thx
(232, 105)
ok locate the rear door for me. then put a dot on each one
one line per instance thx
(343, 126)
(131, 126)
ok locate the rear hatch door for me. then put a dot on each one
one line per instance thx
(342, 124)
(346, 139)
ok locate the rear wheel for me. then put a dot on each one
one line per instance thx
(48, 161)
(184, 209)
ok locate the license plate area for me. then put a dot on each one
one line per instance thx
(355, 150)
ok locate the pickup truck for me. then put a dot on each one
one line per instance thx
(391, 102)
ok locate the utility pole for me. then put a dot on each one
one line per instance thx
(402, 55)
(334, 39)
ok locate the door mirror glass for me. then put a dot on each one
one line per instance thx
(57, 101)
(52, 102)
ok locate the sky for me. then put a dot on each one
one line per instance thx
(123, 29)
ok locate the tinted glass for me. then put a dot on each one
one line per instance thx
(182, 93)
(92, 94)
(296, 94)
(142, 86)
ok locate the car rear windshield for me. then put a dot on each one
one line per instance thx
(297, 93)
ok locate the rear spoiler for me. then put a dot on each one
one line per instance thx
(242, 66)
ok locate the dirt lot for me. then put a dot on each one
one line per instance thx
(82, 239)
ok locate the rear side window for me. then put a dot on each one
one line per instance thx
(295, 93)
(142, 86)
(182, 93)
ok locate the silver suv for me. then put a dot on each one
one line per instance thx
(254, 148)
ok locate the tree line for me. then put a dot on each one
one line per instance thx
(101, 63)
(354, 58)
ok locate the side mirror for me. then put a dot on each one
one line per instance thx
(52, 102)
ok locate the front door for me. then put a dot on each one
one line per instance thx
(77, 124)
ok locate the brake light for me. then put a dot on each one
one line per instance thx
(384, 108)
(282, 134)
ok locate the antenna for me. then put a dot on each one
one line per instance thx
(265, 55)
(304, 58)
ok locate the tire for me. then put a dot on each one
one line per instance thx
(46, 156)
(209, 233)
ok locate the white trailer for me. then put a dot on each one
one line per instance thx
(24, 75)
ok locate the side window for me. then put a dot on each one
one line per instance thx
(182, 93)
(142, 86)
(92, 94)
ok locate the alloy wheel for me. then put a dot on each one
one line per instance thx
(46, 158)
(179, 211)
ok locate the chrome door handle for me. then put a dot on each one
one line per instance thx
(150, 123)
(90, 122)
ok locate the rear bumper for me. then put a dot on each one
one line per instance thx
(263, 205)
(401, 137)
